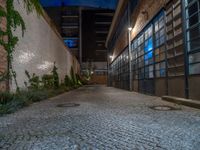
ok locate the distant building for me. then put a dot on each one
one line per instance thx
(84, 31)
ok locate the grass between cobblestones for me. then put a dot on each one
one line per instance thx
(10, 102)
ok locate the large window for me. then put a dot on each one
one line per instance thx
(120, 70)
(140, 59)
(160, 67)
(174, 39)
(148, 57)
(148, 49)
(193, 35)
(134, 58)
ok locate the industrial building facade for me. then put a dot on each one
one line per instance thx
(154, 47)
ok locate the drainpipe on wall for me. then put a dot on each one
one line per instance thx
(186, 61)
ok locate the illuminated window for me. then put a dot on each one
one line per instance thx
(71, 43)
(148, 45)
(148, 49)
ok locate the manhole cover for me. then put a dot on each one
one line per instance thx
(164, 108)
(68, 105)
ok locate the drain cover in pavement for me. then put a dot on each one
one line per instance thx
(68, 105)
(163, 108)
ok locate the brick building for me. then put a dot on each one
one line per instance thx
(162, 39)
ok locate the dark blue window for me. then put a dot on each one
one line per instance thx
(71, 43)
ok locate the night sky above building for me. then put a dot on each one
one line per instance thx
(108, 4)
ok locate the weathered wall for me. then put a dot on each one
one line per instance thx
(40, 47)
(3, 54)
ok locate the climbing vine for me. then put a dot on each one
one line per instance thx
(14, 20)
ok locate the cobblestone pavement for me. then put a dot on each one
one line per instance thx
(107, 118)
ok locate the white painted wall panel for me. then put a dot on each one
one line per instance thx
(39, 48)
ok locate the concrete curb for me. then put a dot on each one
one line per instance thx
(182, 101)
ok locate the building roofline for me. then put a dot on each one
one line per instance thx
(120, 7)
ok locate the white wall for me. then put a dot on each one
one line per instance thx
(39, 48)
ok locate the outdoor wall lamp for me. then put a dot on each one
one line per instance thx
(130, 28)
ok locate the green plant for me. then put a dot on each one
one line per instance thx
(2, 76)
(35, 95)
(73, 76)
(12, 102)
(79, 81)
(6, 97)
(47, 81)
(68, 81)
(55, 76)
(33, 5)
(14, 20)
(34, 81)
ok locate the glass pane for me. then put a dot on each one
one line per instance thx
(162, 40)
(151, 75)
(162, 72)
(161, 23)
(151, 68)
(157, 66)
(163, 65)
(148, 45)
(162, 32)
(158, 73)
(195, 44)
(193, 20)
(156, 27)
(192, 9)
(149, 56)
(194, 33)
(193, 58)
(194, 69)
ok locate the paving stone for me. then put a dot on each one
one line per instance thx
(107, 118)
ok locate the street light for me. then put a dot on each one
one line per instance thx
(130, 58)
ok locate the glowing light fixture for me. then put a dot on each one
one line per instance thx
(130, 28)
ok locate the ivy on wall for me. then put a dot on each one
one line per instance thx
(7, 39)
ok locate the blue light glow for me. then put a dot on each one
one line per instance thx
(71, 43)
(148, 45)
(149, 56)
(109, 4)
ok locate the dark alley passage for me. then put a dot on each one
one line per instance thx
(99, 75)
(107, 118)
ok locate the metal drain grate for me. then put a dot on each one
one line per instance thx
(164, 108)
(68, 105)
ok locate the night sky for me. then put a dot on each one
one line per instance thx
(109, 4)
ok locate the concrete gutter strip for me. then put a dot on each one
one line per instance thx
(182, 101)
